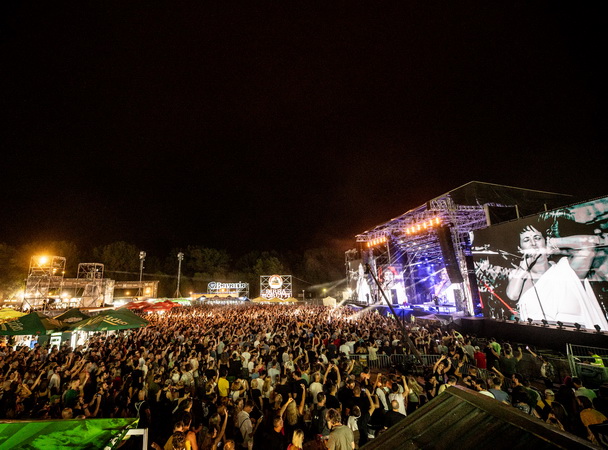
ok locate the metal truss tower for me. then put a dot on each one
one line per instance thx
(44, 280)
(90, 277)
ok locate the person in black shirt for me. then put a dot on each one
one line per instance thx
(393, 416)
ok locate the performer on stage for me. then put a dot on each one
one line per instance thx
(556, 291)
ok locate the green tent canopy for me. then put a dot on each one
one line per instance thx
(64, 434)
(120, 319)
(71, 316)
(31, 323)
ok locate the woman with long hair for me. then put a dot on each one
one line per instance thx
(297, 441)
(416, 395)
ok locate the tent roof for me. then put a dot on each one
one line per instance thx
(31, 323)
(71, 316)
(120, 319)
(7, 314)
(77, 434)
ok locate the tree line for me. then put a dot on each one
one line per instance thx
(312, 269)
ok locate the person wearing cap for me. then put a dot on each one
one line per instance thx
(480, 358)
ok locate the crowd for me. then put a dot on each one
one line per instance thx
(275, 377)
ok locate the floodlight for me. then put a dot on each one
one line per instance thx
(544, 321)
(560, 324)
(597, 328)
(516, 319)
(529, 320)
(577, 326)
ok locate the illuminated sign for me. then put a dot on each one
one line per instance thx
(218, 287)
(279, 286)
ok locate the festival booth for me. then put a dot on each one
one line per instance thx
(37, 325)
(81, 434)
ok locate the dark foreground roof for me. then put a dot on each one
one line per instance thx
(462, 419)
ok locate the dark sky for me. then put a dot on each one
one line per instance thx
(274, 126)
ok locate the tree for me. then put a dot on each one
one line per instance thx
(119, 257)
(206, 262)
(13, 272)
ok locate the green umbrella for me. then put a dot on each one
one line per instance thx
(119, 319)
(31, 323)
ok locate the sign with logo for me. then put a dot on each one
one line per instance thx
(239, 289)
(279, 286)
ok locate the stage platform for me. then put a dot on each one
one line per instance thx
(550, 336)
(547, 337)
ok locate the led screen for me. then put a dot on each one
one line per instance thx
(552, 266)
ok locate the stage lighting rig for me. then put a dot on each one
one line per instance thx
(544, 321)
(529, 321)
(577, 326)
(560, 325)
(377, 241)
(516, 319)
(597, 329)
(422, 226)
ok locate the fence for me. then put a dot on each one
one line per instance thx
(528, 366)
(583, 364)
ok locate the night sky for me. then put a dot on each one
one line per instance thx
(273, 126)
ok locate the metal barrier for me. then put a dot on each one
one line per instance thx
(583, 364)
(382, 361)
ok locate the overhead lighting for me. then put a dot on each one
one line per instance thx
(377, 241)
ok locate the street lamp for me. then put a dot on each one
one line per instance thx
(142, 258)
(180, 258)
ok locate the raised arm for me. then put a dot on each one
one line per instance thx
(301, 405)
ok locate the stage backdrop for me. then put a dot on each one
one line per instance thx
(550, 266)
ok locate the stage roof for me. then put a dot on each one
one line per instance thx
(467, 207)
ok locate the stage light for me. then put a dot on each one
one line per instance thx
(529, 321)
(516, 319)
(577, 326)
(597, 328)
(560, 324)
(544, 321)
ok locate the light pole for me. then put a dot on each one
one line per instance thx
(142, 258)
(180, 258)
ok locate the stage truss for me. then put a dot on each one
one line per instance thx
(44, 281)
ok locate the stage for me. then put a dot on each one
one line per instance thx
(548, 337)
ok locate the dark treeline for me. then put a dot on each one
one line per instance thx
(312, 269)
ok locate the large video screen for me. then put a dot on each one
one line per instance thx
(552, 266)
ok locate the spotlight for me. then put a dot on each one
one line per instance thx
(529, 320)
(597, 328)
(516, 319)
(544, 321)
(577, 326)
(560, 324)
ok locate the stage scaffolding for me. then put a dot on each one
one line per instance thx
(411, 239)
(44, 280)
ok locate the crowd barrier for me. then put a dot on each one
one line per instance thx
(529, 369)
